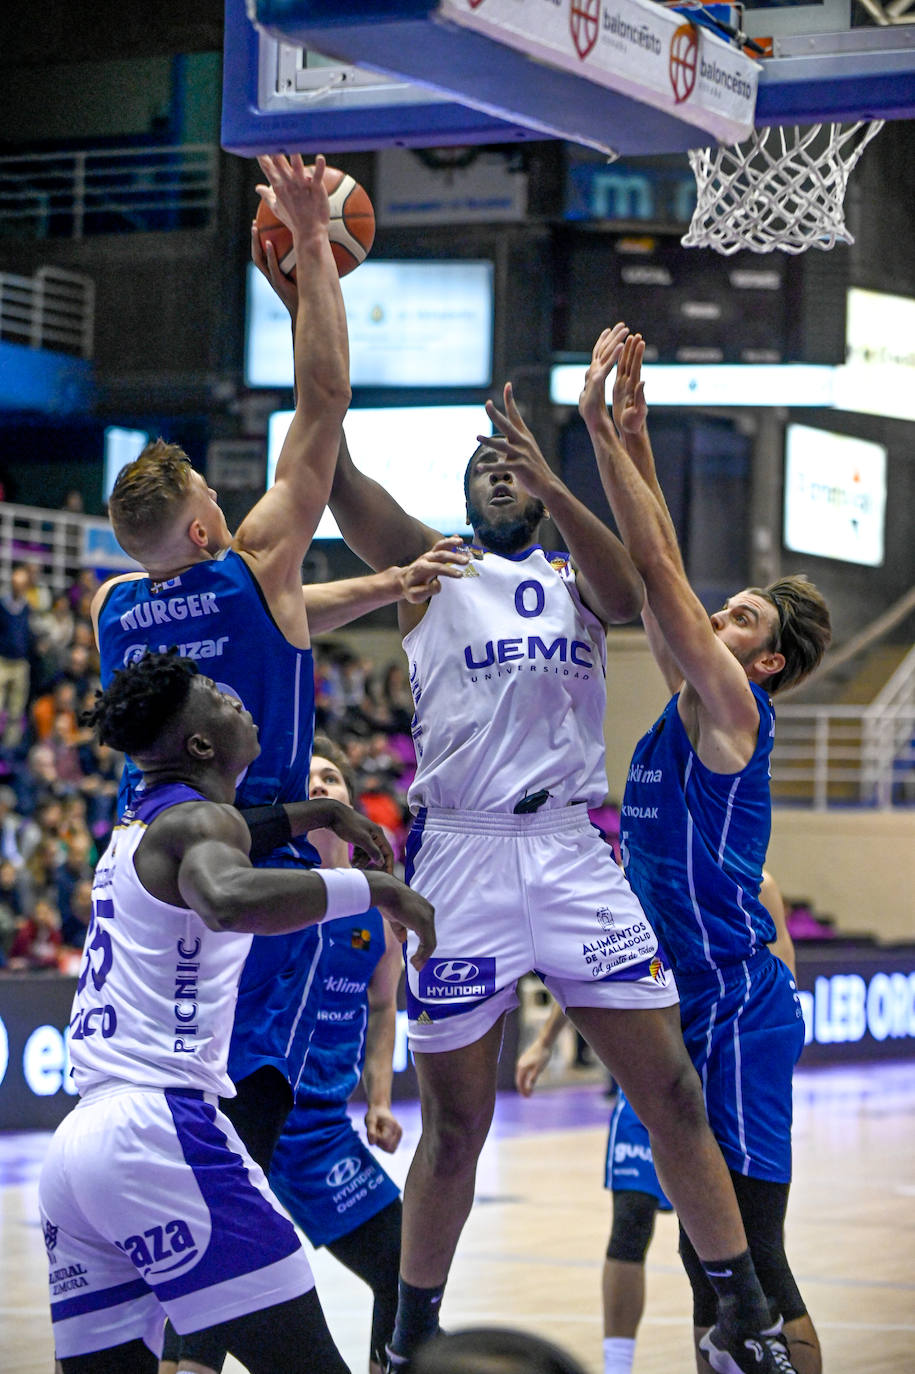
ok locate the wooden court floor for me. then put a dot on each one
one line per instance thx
(531, 1252)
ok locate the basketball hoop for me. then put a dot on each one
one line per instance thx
(781, 188)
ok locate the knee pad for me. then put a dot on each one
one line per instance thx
(633, 1226)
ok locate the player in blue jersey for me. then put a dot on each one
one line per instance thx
(508, 678)
(630, 1175)
(695, 826)
(149, 1201)
(331, 1184)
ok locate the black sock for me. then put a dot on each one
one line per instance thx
(741, 1302)
(417, 1316)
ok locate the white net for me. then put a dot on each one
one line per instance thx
(781, 188)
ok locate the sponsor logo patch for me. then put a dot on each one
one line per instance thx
(456, 980)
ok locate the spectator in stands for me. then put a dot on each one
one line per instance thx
(49, 854)
(75, 868)
(75, 921)
(15, 651)
(398, 698)
(60, 700)
(102, 769)
(82, 592)
(37, 942)
(59, 627)
(64, 741)
(38, 593)
(74, 825)
(493, 1350)
(328, 694)
(18, 834)
(15, 901)
(80, 669)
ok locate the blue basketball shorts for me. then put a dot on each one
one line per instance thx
(325, 1175)
(744, 1030)
(629, 1166)
(515, 894)
(150, 1205)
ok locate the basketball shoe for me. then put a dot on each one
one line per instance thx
(730, 1352)
(394, 1363)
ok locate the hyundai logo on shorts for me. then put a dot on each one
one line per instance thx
(456, 971)
(457, 980)
(343, 1171)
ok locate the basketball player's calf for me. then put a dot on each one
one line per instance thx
(763, 1205)
(644, 1051)
(458, 1092)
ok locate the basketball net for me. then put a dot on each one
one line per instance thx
(781, 188)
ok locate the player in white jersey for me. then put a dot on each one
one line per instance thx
(150, 1203)
(508, 677)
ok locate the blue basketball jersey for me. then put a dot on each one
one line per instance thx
(216, 614)
(351, 949)
(694, 842)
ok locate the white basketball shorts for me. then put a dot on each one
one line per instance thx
(515, 894)
(150, 1204)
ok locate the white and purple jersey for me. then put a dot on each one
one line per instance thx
(508, 673)
(156, 992)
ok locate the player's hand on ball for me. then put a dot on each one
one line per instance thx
(592, 403)
(517, 446)
(405, 910)
(263, 255)
(421, 579)
(295, 193)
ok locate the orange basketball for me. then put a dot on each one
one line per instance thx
(352, 225)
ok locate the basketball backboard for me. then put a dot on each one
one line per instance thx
(423, 74)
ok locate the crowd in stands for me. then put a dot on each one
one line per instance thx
(59, 787)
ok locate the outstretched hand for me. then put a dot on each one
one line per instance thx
(295, 193)
(421, 579)
(592, 403)
(630, 409)
(517, 446)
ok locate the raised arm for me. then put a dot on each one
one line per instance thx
(333, 604)
(275, 535)
(727, 711)
(381, 1126)
(607, 579)
(630, 415)
(374, 525)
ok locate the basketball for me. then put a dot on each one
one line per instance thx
(352, 225)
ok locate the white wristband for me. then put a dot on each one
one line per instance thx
(348, 892)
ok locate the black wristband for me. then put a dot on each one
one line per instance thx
(269, 827)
